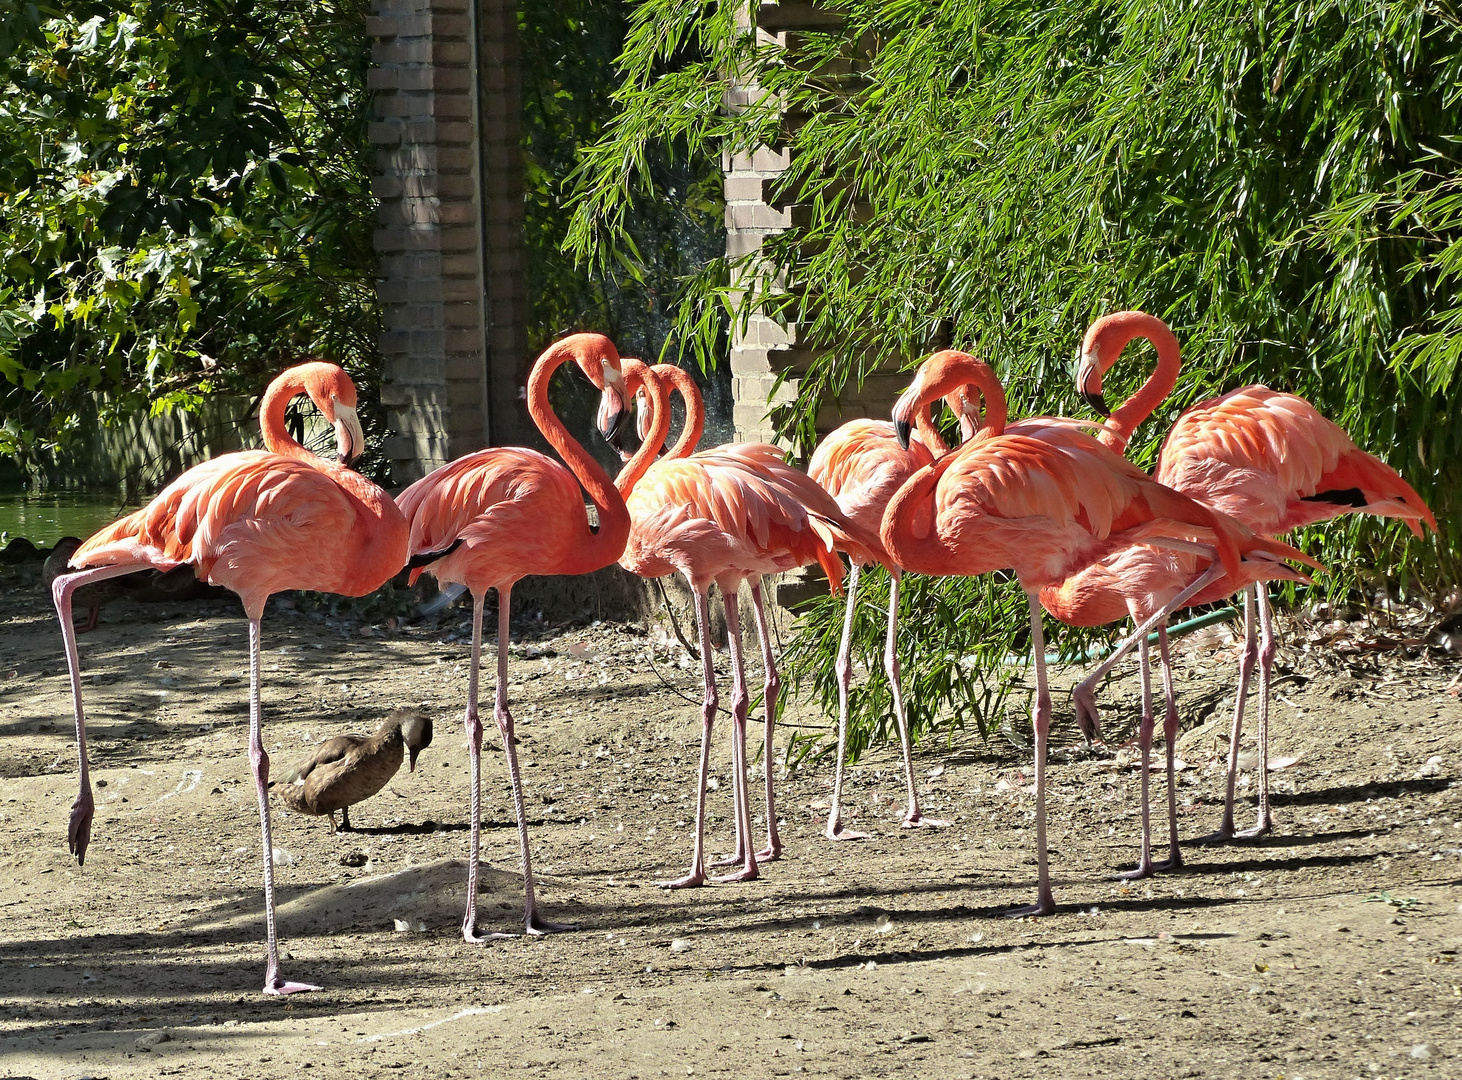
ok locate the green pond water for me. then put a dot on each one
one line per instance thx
(44, 517)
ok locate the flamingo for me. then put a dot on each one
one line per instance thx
(861, 464)
(726, 515)
(1043, 504)
(1268, 459)
(256, 522)
(493, 517)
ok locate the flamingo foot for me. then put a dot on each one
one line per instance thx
(1043, 906)
(538, 927)
(730, 860)
(749, 873)
(470, 935)
(1223, 835)
(1144, 870)
(78, 830)
(1263, 828)
(769, 854)
(278, 987)
(917, 820)
(835, 831)
(1088, 716)
(692, 880)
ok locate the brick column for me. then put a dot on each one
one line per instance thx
(434, 373)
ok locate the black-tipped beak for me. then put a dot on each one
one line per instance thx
(905, 431)
(1096, 401)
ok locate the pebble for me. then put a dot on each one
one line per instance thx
(153, 1038)
(1421, 1051)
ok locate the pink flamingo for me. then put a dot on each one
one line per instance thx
(1266, 458)
(1043, 507)
(726, 515)
(257, 522)
(862, 465)
(496, 516)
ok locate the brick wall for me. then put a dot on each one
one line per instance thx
(764, 351)
(434, 267)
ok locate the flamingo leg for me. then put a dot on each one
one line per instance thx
(1144, 745)
(1041, 722)
(534, 925)
(78, 829)
(1170, 744)
(844, 668)
(473, 724)
(697, 875)
(913, 814)
(1268, 646)
(771, 688)
(740, 702)
(1246, 669)
(259, 759)
(739, 795)
(93, 616)
(1088, 718)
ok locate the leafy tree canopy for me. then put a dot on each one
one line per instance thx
(184, 203)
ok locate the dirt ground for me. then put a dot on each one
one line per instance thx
(1329, 949)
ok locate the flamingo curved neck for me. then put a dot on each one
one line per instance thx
(1128, 417)
(908, 549)
(638, 376)
(276, 436)
(604, 546)
(695, 409)
(924, 424)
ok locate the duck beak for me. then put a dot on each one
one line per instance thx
(349, 439)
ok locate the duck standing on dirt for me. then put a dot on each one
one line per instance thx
(349, 769)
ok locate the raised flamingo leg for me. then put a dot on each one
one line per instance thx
(913, 814)
(740, 702)
(771, 687)
(473, 725)
(1041, 722)
(533, 924)
(1084, 695)
(697, 875)
(259, 759)
(1170, 741)
(1144, 745)
(78, 829)
(844, 668)
(1246, 669)
(1268, 646)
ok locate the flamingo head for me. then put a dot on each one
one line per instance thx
(964, 382)
(1105, 339)
(334, 395)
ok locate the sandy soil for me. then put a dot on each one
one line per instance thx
(1327, 950)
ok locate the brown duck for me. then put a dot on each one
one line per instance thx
(348, 769)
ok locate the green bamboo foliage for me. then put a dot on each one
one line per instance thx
(1280, 183)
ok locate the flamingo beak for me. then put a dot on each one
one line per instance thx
(349, 439)
(1089, 386)
(904, 430)
(610, 419)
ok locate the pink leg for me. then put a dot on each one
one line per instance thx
(1144, 745)
(740, 701)
(534, 925)
(78, 830)
(1246, 669)
(473, 724)
(1087, 716)
(771, 688)
(844, 668)
(1041, 717)
(697, 875)
(913, 814)
(731, 598)
(1170, 740)
(259, 759)
(1268, 646)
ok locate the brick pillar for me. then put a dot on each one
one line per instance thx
(765, 351)
(434, 372)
